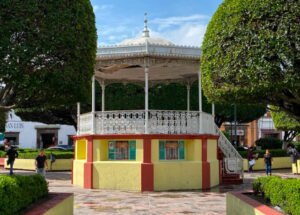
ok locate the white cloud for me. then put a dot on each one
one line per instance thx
(187, 30)
(179, 20)
(98, 8)
(186, 34)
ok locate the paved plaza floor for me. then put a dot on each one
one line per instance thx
(104, 202)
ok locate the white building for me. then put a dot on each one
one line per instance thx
(35, 134)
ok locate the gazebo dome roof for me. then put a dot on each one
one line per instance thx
(166, 62)
(143, 40)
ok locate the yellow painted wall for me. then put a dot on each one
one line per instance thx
(235, 206)
(294, 168)
(174, 175)
(193, 150)
(187, 174)
(214, 163)
(63, 208)
(278, 163)
(298, 165)
(61, 164)
(155, 150)
(211, 150)
(81, 147)
(78, 173)
(214, 173)
(120, 175)
(100, 150)
(139, 150)
(29, 164)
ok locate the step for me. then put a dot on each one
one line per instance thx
(237, 176)
(232, 181)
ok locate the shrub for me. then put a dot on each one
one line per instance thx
(2, 154)
(2, 147)
(282, 192)
(18, 192)
(269, 143)
(32, 153)
(274, 152)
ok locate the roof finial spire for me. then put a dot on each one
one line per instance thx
(146, 31)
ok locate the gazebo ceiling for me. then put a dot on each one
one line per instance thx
(127, 61)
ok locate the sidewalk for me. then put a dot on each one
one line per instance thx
(105, 202)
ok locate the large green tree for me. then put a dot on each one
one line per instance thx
(251, 54)
(284, 122)
(47, 53)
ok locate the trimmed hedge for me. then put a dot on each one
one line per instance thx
(282, 192)
(274, 152)
(32, 153)
(269, 143)
(17, 192)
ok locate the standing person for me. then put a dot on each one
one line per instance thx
(268, 162)
(251, 160)
(292, 151)
(41, 163)
(11, 154)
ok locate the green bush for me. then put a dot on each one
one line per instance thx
(269, 143)
(18, 192)
(32, 153)
(282, 192)
(2, 147)
(2, 154)
(274, 153)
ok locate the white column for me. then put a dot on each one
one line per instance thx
(102, 106)
(103, 96)
(146, 99)
(188, 87)
(200, 102)
(78, 118)
(93, 104)
(213, 109)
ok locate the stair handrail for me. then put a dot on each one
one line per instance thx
(230, 153)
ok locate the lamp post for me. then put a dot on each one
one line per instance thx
(235, 125)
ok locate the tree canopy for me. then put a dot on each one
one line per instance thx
(251, 54)
(47, 53)
(283, 121)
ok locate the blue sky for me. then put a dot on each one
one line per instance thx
(183, 22)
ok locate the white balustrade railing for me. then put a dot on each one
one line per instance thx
(149, 49)
(85, 123)
(120, 122)
(173, 122)
(208, 123)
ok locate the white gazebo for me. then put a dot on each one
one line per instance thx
(148, 61)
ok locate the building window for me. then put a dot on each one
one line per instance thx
(171, 150)
(122, 150)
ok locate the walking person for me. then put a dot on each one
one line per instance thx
(292, 151)
(11, 154)
(41, 163)
(268, 162)
(251, 160)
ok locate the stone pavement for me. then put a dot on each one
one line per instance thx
(89, 202)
